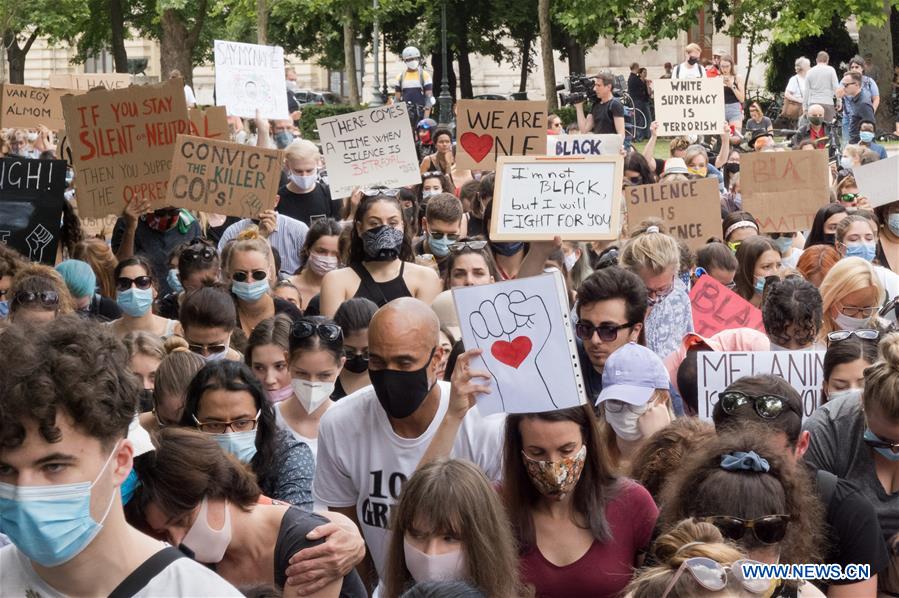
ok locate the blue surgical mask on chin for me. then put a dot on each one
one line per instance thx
(52, 524)
(883, 451)
(866, 251)
(240, 444)
(759, 284)
(250, 291)
(893, 223)
(4, 309)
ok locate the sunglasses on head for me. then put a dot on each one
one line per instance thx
(45, 298)
(459, 246)
(769, 529)
(123, 283)
(607, 332)
(766, 406)
(197, 253)
(862, 333)
(305, 329)
(256, 275)
(712, 575)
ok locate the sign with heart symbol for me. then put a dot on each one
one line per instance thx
(490, 128)
(512, 353)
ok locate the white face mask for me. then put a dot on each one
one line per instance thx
(570, 260)
(303, 182)
(849, 323)
(624, 422)
(207, 544)
(312, 395)
(848, 394)
(449, 566)
(412, 65)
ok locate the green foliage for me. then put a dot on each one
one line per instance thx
(781, 57)
(567, 114)
(310, 113)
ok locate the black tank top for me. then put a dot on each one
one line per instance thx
(380, 292)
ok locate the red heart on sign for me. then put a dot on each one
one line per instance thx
(477, 146)
(512, 354)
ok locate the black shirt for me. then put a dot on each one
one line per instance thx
(308, 207)
(168, 306)
(214, 233)
(604, 114)
(155, 246)
(636, 88)
(104, 309)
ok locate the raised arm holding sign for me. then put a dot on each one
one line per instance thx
(488, 129)
(689, 106)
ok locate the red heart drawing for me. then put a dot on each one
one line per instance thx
(512, 354)
(477, 146)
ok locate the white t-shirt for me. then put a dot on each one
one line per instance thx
(362, 462)
(685, 71)
(183, 577)
(889, 280)
(189, 96)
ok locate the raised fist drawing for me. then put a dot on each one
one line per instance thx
(37, 240)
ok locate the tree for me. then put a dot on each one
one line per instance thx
(546, 50)
(23, 21)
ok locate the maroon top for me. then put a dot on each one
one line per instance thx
(606, 568)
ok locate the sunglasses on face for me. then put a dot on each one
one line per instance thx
(45, 298)
(350, 353)
(712, 575)
(770, 529)
(305, 329)
(237, 425)
(607, 332)
(256, 275)
(855, 312)
(779, 235)
(862, 333)
(459, 246)
(879, 442)
(617, 406)
(210, 349)
(848, 197)
(123, 283)
(766, 406)
(449, 236)
(655, 296)
(376, 191)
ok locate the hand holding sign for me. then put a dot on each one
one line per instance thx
(467, 384)
(512, 330)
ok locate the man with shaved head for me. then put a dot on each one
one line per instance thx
(817, 129)
(370, 442)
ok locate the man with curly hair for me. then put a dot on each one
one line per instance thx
(66, 401)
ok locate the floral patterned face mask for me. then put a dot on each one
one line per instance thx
(556, 478)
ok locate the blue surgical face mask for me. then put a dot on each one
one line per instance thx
(135, 302)
(129, 487)
(866, 251)
(51, 524)
(892, 223)
(220, 356)
(439, 247)
(4, 309)
(759, 284)
(240, 444)
(283, 139)
(845, 162)
(250, 291)
(866, 136)
(507, 249)
(783, 244)
(174, 281)
(883, 451)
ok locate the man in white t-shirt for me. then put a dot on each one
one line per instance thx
(371, 442)
(690, 68)
(66, 401)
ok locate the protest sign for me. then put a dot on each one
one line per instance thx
(540, 197)
(211, 123)
(582, 145)
(31, 202)
(784, 190)
(525, 332)
(691, 209)
(715, 308)
(689, 106)
(88, 81)
(369, 148)
(878, 181)
(250, 77)
(222, 177)
(716, 370)
(122, 142)
(488, 129)
(29, 107)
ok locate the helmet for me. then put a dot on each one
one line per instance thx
(426, 123)
(411, 52)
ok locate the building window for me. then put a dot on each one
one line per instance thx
(100, 63)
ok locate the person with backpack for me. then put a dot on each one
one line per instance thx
(414, 86)
(690, 68)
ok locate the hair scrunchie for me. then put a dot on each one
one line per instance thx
(740, 461)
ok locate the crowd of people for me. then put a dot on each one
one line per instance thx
(283, 405)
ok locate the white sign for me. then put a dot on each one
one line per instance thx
(250, 77)
(689, 106)
(525, 332)
(879, 181)
(575, 197)
(716, 370)
(369, 148)
(582, 145)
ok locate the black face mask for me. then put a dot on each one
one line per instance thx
(356, 364)
(692, 60)
(402, 393)
(145, 396)
(829, 239)
(731, 167)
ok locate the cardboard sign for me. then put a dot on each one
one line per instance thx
(715, 371)
(488, 129)
(122, 143)
(879, 181)
(575, 197)
(211, 123)
(88, 81)
(583, 145)
(369, 148)
(691, 209)
(689, 106)
(250, 77)
(715, 308)
(524, 329)
(31, 202)
(223, 177)
(29, 107)
(784, 190)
